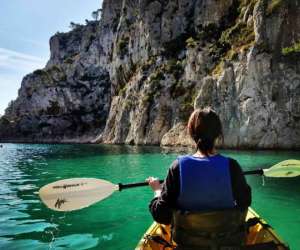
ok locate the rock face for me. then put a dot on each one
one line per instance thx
(135, 76)
(68, 100)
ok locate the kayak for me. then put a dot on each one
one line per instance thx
(260, 236)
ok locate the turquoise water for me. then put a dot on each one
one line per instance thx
(119, 221)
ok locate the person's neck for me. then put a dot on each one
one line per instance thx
(202, 155)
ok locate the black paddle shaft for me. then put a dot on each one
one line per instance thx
(132, 185)
(258, 171)
(142, 184)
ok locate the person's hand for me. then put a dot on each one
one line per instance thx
(154, 183)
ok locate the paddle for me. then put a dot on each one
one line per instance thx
(77, 193)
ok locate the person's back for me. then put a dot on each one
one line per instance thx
(205, 183)
(205, 196)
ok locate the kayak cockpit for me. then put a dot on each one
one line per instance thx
(260, 236)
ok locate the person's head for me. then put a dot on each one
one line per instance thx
(205, 127)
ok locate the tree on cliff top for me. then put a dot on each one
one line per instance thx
(74, 25)
(96, 14)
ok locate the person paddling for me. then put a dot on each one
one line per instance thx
(205, 195)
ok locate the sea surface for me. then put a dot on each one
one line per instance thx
(119, 221)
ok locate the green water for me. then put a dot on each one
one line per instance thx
(120, 221)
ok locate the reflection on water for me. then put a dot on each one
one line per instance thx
(117, 222)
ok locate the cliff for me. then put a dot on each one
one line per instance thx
(136, 75)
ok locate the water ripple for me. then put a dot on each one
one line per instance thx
(117, 222)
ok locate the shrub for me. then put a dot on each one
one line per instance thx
(295, 48)
(74, 26)
(128, 104)
(157, 76)
(43, 75)
(191, 42)
(54, 108)
(146, 98)
(238, 35)
(147, 65)
(273, 6)
(217, 71)
(96, 14)
(122, 91)
(69, 60)
(40, 72)
(208, 32)
(174, 67)
(177, 89)
(123, 46)
(175, 46)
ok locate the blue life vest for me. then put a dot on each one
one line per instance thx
(205, 183)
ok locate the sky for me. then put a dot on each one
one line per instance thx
(25, 29)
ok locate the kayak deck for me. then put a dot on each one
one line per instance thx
(260, 233)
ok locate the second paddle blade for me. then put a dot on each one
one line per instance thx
(288, 168)
(76, 193)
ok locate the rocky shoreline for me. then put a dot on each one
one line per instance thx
(135, 76)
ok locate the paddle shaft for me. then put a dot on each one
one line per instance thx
(257, 171)
(142, 184)
(132, 185)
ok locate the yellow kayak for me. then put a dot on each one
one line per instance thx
(261, 236)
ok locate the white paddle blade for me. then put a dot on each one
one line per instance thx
(288, 168)
(76, 193)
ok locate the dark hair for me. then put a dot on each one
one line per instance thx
(205, 127)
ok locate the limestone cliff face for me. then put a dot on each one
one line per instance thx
(135, 76)
(68, 100)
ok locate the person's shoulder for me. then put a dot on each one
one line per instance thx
(232, 162)
(184, 158)
(234, 165)
(230, 159)
(175, 165)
